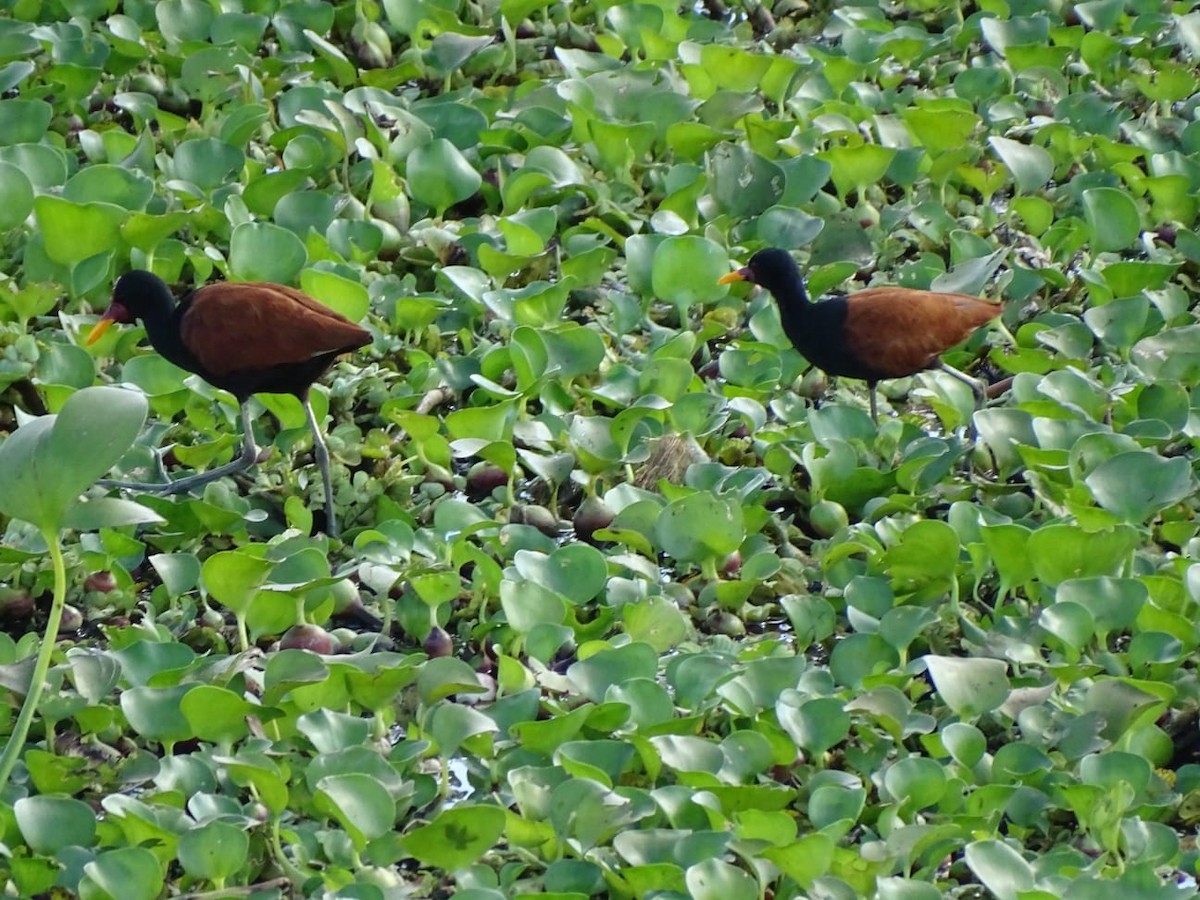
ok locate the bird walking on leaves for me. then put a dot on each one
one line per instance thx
(242, 337)
(873, 334)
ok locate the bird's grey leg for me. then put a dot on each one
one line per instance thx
(974, 384)
(977, 389)
(321, 452)
(874, 402)
(182, 485)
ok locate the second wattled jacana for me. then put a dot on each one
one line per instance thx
(245, 338)
(873, 334)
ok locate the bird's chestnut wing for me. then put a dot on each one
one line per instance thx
(901, 331)
(235, 326)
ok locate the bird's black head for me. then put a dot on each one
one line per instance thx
(773, 269)
(136, 295)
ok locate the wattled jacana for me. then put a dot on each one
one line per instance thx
(877, 333)
(242, 337)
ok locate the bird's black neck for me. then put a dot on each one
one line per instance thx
(817, 330)
(162, 321)
(801, 318)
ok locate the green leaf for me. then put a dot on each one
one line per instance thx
(853, 168)
(596, 674)
(456, 837)
(127, 872)
(1063, 551)
(51, 460)
(700, 526)
(156, 713)
(260, 251)
(213, 851)
(1170, 355)
(439, 176)
(24, 121)
(970, 687)
(787, 227)
(74, 232)
(108, 512)
(576, 571)
(917, 781)
(233, 577)
(217, 714)
(1138, 484)
(360, 802)
(715, 879)
(816, 725)
(1112, 218)
(206, 162)
(1002, 869)
(49, 824)
(340, 294)
(16, 196)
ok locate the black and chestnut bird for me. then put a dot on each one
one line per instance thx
(873, 334)
(245, 338)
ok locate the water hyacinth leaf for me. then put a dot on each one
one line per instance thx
(360, 802)
(304, 211)
(108, 512)
(1112, 218)
(788, 227)
(1031, 165)
(700, 526)
(743, 182)
(1170, 355)
(213, 851)
(456, 837)
(24, 121)
(966, 743)
(917, 782)
(262, 251)
(576, 571)
(1120, 322)
(340, 294)
(928, 551)
(832, 804)
(715, 879)
(1139, 484)
(1000, 868)
(156, 713)
(1070, 622)
(48, 824)
(443, 676)
(439, 176)
(51, 460)
(110, 184)
(74, 232)
(146, 232)
(855, 167)
(596, 674)
(816, 724)
(128, 872)
(450, 724)
(858, 656)
(206, 162)
(1063, 551)
(16, 196)
(233, 577)
(217, 714)
(970, 687)
(686, 269)
(655, 621)
(734, 68)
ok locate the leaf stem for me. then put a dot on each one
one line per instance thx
(37, 681)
